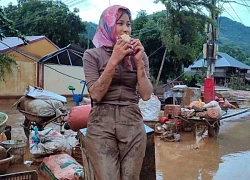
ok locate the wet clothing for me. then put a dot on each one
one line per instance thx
(122, 90)
(116, 138)
(116, 142)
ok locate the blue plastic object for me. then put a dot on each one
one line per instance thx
(77, 98)
(35, 138)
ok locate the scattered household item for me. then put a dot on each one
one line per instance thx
(17, 149)
(178, 91)
(39, 93)
(4, 164)
(163, 119)
(171, 111)
(40, 113)
(61, 167)
(150, 109)
(25, 175)
(47, 142)
(209, 90)
(41, 107)
(7, 132)
(77, 98)
(190, 94)
(2, 137)
(78, 117)
(3, 153)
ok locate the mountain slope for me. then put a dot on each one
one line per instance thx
(234, 33)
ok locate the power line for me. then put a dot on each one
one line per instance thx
(235, 13)
(30, 17)
(22, 22)
(244, 1)
(143, 32)
(228, 13)
(235, 3)
(155, 51)
(39, 62)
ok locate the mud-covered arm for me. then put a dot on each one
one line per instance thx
(97, 84)
(145, 87)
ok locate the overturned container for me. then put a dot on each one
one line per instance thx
(17, 149)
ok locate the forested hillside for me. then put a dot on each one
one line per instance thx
(234, 33)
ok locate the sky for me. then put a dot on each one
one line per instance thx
(90, 10)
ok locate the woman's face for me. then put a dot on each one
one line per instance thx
(123, 25)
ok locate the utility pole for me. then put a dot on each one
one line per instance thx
(210, 48)
(210, 54)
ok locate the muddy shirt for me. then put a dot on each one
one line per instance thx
(122, 90)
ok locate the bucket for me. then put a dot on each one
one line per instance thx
(209, 90)
(4, 164)
(17, 150)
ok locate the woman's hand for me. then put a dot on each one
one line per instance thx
(121, 49)
(139, 51)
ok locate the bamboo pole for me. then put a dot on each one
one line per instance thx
(161, 67)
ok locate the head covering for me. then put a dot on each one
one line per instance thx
(105, 34)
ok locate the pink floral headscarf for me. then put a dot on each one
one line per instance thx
(105, 34)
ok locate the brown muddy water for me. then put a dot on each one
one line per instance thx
(224, 158)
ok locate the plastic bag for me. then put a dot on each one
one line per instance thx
(46, 142)
(61, 167)
(211, 104)
(78, 117)
(150, 109)
(40, 93)
(41, 107)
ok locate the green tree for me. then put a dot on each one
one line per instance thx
(6, 62)
(183, 31)
(50, 18)
(145, 27)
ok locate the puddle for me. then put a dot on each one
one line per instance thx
(225, 158)
(234, 166)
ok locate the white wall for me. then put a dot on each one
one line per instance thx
(58, 83)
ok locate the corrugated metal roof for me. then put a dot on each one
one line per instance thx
(15, 41)
(69, 55)
(224, 60)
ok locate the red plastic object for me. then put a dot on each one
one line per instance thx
(209, 90)
(78, 117)
(163, 119)
(177, 122)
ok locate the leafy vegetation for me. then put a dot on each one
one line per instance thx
(237, 83)
(180, 29)
(50, 18)
(234, 39)
(6, 62)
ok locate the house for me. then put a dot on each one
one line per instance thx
(61, 69)
(27, 71)
(225, 67)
